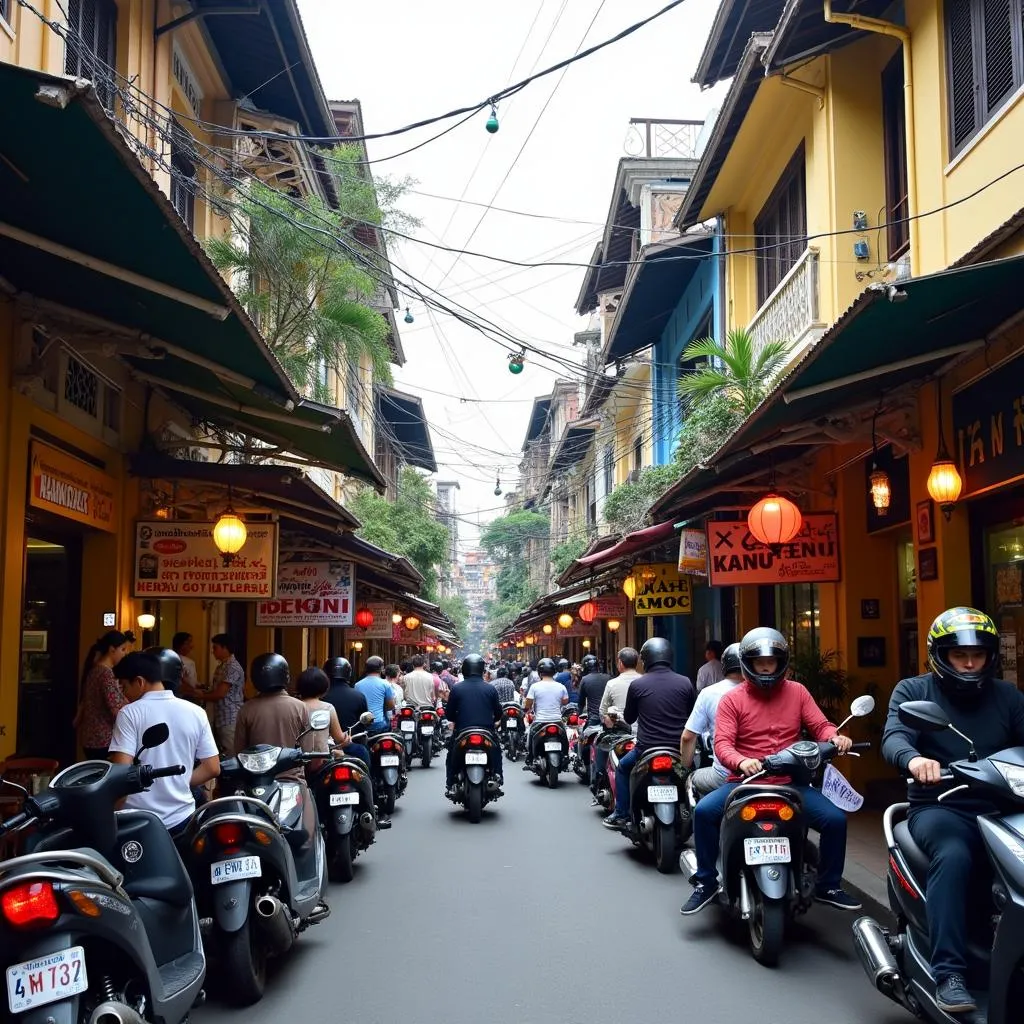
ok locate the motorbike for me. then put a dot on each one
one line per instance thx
(258, 862)
(661, 820)
(767, 866)
(549, 747)
(571, 718)
(97, 922)
(513, 730)
(387, 768)
(617, 741)
(405, 726)
(896, 960)
(426, 728)
(474, 785)
(444, 730)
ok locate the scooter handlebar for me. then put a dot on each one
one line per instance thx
(944, 776)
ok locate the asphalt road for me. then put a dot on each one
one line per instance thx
(539, 915)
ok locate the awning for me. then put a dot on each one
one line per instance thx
(735, 22)
(538, 419)
(631, 544)
(890, 338)
(573, 445)
(403, 413)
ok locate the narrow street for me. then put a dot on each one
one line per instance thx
(538, 915)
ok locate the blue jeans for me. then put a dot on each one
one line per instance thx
(822, 815)
(622, 783)
(358, 750)
(377, 728)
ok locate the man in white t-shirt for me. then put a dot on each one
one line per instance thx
(419, 684)
(148, 679)
(545, 699)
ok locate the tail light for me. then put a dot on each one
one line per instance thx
(476, 740)
(766, 809)
(342, 773)
(427, 716)
(511, 713)
(33, 905)
(387, 745)
(574, 719)
(552, 730)
(662, 763)
(406, 712)
(229, 833)
(629, 746)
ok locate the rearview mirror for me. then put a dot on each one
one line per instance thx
(366, 718)
(319, 720)
(862, 706)
(155, 735)
(923, 715)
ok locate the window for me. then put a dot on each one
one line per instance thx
(985, 62)
(797, 612)
(591, 506)
(91, 44)
(609, 468)
(183, 175)
(781, 228)
(638, 453)
(5, 10)
(894, 128)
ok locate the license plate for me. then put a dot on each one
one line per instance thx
(511, 723)
(662, 794)
(408, 726)
(767, 851)
(427, 730)
(37, 982)
(552, 745)
(344, 799)
(389, 760)
(238, 867)
(474, 758)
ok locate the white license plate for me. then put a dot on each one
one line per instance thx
(37, 982)
(662, 794)
(427, 730)
(511, 723)
(238, 867)
(767, 851)
(474, 758)
(344, 799)
(389, 760)
(553, 745)
(408, 726)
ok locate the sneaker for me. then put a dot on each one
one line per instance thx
(528, 767)
(838, 898)
(952, 996)
(701, 896)
(383, 824)
(615, 821)
(594, 802)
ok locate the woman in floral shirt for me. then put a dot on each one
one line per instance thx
(101, 695)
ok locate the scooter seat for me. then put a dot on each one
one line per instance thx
(917, 859)
(164, 888)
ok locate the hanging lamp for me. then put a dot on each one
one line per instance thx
(944, 480)
(881, 489)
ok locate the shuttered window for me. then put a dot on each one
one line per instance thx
(781, 228)
(894, 122)
(985, 62)
(91, 44)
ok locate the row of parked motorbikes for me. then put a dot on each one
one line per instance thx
(107, 919)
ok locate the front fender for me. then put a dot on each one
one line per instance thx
(773, 888)
(665, 813)
(231, 903)
(344, 819)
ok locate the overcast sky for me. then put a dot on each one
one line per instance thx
(406, 60)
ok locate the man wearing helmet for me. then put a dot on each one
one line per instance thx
(702, 722)
(659, 701)
(545, 699)
(474, 704)
(963, 658)
(592, 690)
(759, 718)
(274, 716)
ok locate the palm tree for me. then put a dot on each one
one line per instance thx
(740, 371)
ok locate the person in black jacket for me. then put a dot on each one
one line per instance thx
(963, 656)
(474, 704)
(592, 690)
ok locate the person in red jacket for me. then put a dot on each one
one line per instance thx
(760, 717)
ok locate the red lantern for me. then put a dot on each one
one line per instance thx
(774, 520)
(587, 611)
(364, 618)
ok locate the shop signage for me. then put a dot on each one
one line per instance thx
(693, 552)
(669, 593)
(578, 628)
(187, 80)
(382, 624)
(401, 635)
(71, 488)
(310, 594)
(988, 428)
(737, 559)
(179, 559)
(611, 606)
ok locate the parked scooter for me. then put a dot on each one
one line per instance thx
(98, 923)
(661, 820)
(387, 768)
(474, 784)
(258, 862)
(767, 866)
(549, 748)
(513, 730)
(896, 961)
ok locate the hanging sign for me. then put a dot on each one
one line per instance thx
(736, 558)
(381, 628)
(578, 628)
(611, 606)
(693, 552)
(668, 593)
(71, 488)
(835, 787)
(179, 559)
(310, 594)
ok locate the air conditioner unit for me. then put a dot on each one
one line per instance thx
(634, 476)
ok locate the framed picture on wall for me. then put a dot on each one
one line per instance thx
(871, 652)
(870, 608)
(925, 520)
(928, 564)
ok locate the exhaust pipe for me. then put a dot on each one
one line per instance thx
(115, 1013)
(275, 924)
(368, 822)
(688, 864)
(647, 824)
(875, 955)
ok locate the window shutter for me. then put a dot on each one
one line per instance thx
(998, 37)
(961, 70)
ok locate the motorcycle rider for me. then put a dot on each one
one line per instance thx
(659, 701)
(563, 675)
(592, 690)
(614, 696)
(702, 720)
(545, 699)
(419, 684)
(474, 704)
(763, 716)
(380, 698)
(963, 658)
(504, 686)
(347, 701)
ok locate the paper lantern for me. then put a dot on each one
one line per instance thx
(547, 629)
(565, 620)
(587, 611)
(411, 622)
(229, 534)
(586, 644)
(147, 620)
(364, 618)
(944, 485)
(531, 639)
(613, 625)
(774, 520)
(396, 618)
(629, 587)
(358, 645)
(881, 491)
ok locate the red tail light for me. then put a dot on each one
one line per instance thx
(766, 809)
(342, 773)
(511, 713)
(662, 763)
(552, 730)
(33, 905)
(229, 833)
(427, 716)
(387, 745)
(629, 746)
(476, 740)
(574, 719)
(406, 712)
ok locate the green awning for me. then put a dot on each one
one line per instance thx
(85, 230)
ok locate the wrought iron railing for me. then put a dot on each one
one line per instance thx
(663, 137)
(792, 312)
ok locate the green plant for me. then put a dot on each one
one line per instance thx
(821, 673)
(706, 428)
(457, 610)
(564, 554)
(505, 539)
(626, 508)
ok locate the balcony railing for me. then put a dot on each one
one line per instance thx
(662, 137)
(791, 313)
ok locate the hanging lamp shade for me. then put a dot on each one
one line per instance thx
(774, 520)
(613, 625)
(944, 484)
(411, 622)
(547, 629)
(229, 533)
(396, 618)
(586, 644)
(629, 587)
(364, 618)
(565, 620)
(531, 639)
(587, 611)
(881, 491)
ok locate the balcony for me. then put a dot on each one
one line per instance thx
(792, 312)
(662, 137)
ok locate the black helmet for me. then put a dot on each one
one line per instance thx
(731, 660)
(437, 667)
(764, 642)
(656, 651)
(338, 670)
(563, 665)
(546, 667)
(472, 666)
(269, 672)
(589, 663)
(170, 666)
(962, 627)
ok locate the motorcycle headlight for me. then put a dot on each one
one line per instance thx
(259, 761)
(1013, 776)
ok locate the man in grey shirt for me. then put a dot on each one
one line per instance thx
(615, 692)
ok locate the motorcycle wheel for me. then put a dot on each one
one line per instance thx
(341, 863)
(474, 803)
(425, 757)
(244, 965)
(767, 925)
(665, 856)
(388, 801)
(513, 749)
(552, 777)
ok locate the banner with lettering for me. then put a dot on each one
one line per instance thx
(737, 558)
(693, 552)
(578, 628)
(71, 488)
(311, 594)
(835, 787)
(382, 624)
(666, 592)
(614, 605)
